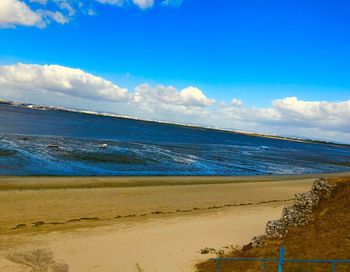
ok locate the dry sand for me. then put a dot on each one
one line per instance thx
(161, 227)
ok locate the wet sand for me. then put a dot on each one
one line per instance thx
(109, 224)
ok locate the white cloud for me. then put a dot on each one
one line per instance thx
(323, 114)
(28, 13)
(57, 85)
(236, 102)
(67, 7)
(58, 79)
(14, 12)
(42, 2)
(290, 114)
(189, 96)
(111, 2)
(143, 3)
(195, 97)
(172, 2)
(168, 103)
(317, 110)
(54, 79)
(48, 16)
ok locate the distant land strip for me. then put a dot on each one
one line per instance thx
(195, 126)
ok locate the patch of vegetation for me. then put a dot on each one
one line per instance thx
(139, 268)
(7, 152)
(38, 260)
(101, 157)
(326, 237)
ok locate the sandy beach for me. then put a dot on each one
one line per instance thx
(110, 224)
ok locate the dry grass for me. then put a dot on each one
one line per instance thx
(139, 268)
(38, 260)
(327, 237)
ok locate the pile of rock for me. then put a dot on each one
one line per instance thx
(208, 250)
(297, 214)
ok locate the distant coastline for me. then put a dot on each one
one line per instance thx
(196, 126)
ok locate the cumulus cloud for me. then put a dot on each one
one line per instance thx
(189, 96)
(290, 112)
(324, 114)
(236, 102)
(58, 85)
(58, 79)
(39, 13)
(55, 79)
(167, 102)
(143, 3)
(317, 110)
(195, 97)
(16, 12)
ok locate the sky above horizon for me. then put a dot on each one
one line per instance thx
(268, 66)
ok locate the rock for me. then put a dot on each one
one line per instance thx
(247, 246)
(322, 188)
(275, 229)
(258, 241)
(296, 215)
(204, 251)
(207, 250)
(103, 145)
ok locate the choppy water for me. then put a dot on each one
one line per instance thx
(145, 148)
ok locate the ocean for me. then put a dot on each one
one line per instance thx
(34, 142)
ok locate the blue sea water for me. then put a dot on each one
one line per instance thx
(147, 148)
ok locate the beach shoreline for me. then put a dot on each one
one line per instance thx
(74, 216)
(75, 182)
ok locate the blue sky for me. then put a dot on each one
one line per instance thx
(240, 44)
(253, 50)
